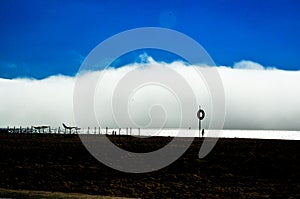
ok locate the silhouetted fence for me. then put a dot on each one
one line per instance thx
(59, 130)
(34, 130)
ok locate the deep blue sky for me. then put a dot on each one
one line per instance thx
(42, 38)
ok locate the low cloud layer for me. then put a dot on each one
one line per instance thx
(257, 97)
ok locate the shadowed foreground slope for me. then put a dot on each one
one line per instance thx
(235, 168)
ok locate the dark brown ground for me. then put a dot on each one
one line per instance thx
(235, 168)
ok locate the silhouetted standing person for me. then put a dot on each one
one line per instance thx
(202, 132)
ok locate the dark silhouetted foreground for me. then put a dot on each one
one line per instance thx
(235, 168)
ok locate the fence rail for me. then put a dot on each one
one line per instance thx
(59, 130)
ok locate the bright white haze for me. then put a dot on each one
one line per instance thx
(257, 97)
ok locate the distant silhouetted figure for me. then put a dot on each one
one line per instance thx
(202, 132)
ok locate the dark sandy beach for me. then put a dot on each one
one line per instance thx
(235, 168)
